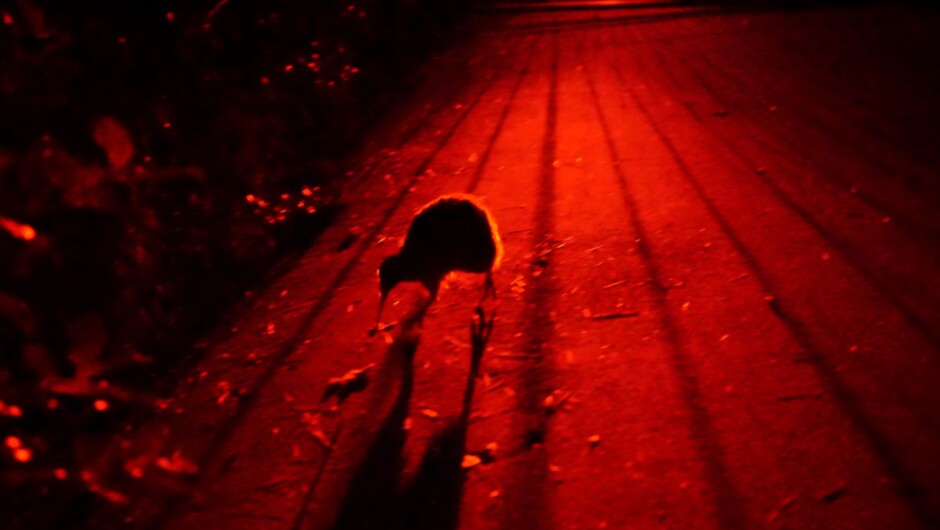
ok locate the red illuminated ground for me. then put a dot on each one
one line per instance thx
(718, 305)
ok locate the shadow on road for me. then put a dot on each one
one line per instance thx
(597, 18)
(376, 499)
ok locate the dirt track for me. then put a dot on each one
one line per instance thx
(721, 256)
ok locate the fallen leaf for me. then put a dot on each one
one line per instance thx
(612, 316)
(555, 400)
(222, 391)
(351, 381)
(772, 303)
(177, 464)
(833, 494)
(114, 140)
(484, 456)
(312, 423)
(20, 231)
(784, 504)
(23, 454)
(135, 466)
(470, 460)
(113, 496)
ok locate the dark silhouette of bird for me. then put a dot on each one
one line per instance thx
(452, 233)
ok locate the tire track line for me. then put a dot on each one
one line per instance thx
(526, 498)
(879, 444)
(729, 510)
(839, 244)
(501, 121)
(928, 234)
(838, 99)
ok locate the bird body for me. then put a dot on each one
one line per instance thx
(452, 233)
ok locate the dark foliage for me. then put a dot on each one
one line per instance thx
(155, 159)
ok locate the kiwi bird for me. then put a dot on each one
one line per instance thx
(452, 233)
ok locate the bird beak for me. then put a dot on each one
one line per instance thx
(378, 317)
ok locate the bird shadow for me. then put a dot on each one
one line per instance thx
(431, 500)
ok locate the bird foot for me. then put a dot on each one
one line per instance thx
(380, 328)
(481, 328)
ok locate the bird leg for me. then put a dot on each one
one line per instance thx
(378, 317)
(488, 288)
(432, 287)
(481, 328)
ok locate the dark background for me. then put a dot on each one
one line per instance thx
(156, 158)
